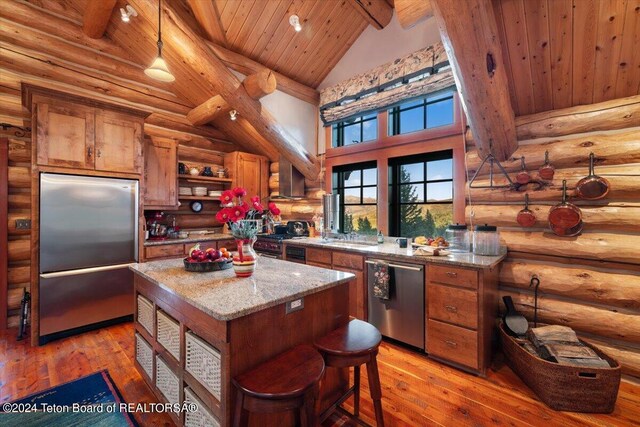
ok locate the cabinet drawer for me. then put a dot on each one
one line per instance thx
(228, 244)
(353, 261)
(453, 305)
(319, 256)
(454, 276)
(452, 343)
(162, 251)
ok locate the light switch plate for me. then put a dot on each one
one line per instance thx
(23, 224)
(295, 305)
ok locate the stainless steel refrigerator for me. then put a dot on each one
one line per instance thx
(88, 237)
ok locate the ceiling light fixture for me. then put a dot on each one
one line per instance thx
(295, 22)
(233, 115)
(127, 12)
(158, 69)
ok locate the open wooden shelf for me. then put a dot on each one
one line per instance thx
(209, 179)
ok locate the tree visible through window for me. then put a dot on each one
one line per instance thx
(421, 189)
(358, 190)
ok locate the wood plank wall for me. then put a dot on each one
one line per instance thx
(590, 282)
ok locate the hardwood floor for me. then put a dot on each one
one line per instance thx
(416, 391)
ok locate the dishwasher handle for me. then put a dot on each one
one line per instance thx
(402, 267)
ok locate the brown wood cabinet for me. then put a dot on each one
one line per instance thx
(118, 142)
(161, 173)
(250, 172)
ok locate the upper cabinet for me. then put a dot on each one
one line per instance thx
(249, 171)
(161, 174)
(79, 133)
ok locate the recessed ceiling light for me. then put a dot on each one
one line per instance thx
(233, 115)
(127, 12)
(295, 22)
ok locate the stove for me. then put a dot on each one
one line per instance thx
(270, 244)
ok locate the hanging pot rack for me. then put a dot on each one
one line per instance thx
(492, 160)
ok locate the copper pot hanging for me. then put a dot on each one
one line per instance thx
(592, 187)
(526, 218)
(546, 171)
(565, 218)
(523, 176)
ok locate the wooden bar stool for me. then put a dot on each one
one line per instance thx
(289, 381)
(351, 346)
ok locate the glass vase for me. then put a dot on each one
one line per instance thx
(244, 260)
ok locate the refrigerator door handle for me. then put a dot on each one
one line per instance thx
(402, 267)
(85, 270)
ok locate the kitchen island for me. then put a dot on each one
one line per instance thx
(196, 331)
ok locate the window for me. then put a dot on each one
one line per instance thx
(425, 113)
(355, 130)
(421, 194)
(358, 190)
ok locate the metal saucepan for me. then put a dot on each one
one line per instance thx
(526, 218)
(592, 187)
(567, 232)
(546, 171)
(564, 216)
(523, 176)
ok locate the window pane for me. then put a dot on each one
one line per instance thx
(440, 191)
(411, 193)
(334, 136)
(411, 104)
(425, 220)
(412, 173)
(390, 121)
(361, 219)
(370, 176)
(369, 130)
(352, 134)
(369, 195)
(351, 195)
(440, 113)
(440, 169)
(442, 95)
(351, 178)
(412, 120)
(370, 116)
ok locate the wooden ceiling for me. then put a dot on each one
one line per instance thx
(260, 30)
(562, 53)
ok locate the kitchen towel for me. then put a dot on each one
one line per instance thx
(381, 280)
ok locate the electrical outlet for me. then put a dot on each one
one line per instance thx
(295, 305)
(23, 224)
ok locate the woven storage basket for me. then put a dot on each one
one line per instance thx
(202, 417)
(166, 381)
(565, 388)
(145, 313)
(203, 362)
(168, 333)
(144, 355)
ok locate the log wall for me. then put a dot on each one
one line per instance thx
(590, 282)
(304, 208)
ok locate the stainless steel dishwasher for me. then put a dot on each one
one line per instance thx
(401, 317)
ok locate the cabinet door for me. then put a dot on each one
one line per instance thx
(249, 171)
(118, 143)
(65, 135)
(161, 173)
(357, 295)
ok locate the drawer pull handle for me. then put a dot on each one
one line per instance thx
(451, 308)
(452, 274)
(452, 343)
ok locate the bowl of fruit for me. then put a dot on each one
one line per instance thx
(210, 259)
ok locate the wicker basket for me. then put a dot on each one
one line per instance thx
(168, 333)
(203, 362)
(565, 388)
(145, 313)
(167, 382)
(144, 355)
(202, 417)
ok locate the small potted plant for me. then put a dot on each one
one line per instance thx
(244, 221)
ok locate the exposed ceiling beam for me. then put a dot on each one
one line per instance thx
(208, 110)
(470, 36)
(192, 61)
(207, 15)
(96, 17)
(246, 66)
(378, 13)
(410, 12)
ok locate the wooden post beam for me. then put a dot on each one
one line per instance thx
(410, 12)
(470, 36)
(206, 13)
(260, 84)
(96, 17)
(192, 61)
(378, 13)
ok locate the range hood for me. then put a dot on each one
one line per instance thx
(291, 180)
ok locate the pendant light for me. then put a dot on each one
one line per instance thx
(158, 69)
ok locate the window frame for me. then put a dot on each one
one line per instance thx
(394, 114)
(339, 128)
(337, 185)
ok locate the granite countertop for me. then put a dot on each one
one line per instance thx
(224, 296)
(390, 250)
(190, 239)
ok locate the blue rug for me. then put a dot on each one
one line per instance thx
(88, 401)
